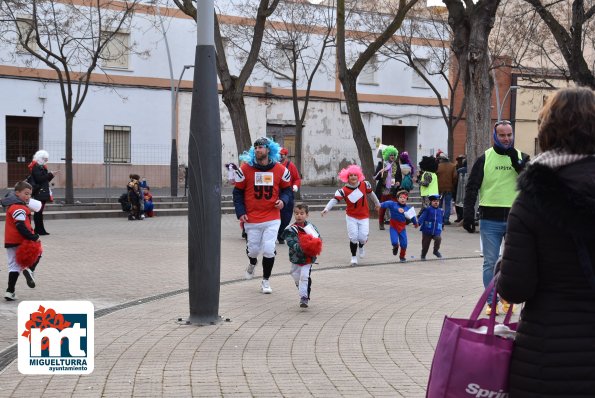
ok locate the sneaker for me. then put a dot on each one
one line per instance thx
(8, 296)
(402, 259)
(423, 258)
(437, 254)
(395, 250)
(304, 302)
(361, 252)
(29, 277)
(446, 223)
(505, 306)
(281, 241)
(265, 287)
(354, 260)
(489, 310)
(250, 271)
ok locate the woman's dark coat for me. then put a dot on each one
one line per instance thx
(42, 178)
(554, 353)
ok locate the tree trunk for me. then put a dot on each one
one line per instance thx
(471, 25)
(69, 191)
(360, 137)
(239, 120)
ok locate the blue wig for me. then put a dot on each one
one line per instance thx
(274, 148)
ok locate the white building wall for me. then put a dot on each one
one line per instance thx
(328, 143)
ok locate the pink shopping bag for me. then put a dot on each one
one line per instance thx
(470, 364)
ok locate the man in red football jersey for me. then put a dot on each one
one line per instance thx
(262, 189)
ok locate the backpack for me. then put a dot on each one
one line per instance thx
(407, 182)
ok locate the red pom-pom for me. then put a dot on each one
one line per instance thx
(310, 245)
(27, 253)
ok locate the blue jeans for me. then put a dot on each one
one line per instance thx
(446, 200)
(492, 234)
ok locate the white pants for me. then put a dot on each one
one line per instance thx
(300, 275)
(11, 254)
(261, 238)
(357, 229)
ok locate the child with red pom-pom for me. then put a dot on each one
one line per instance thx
(304, 243)
(17, 230)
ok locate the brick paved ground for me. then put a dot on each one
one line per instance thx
(370, 330)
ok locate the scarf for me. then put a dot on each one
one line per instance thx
(557, 158)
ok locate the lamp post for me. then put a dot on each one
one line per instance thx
(204, 177)
(174, 134)
(501, 105)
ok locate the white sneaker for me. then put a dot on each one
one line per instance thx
(10, 296)
(361, 252)
(265, 286)
(250, 271)
(354, 260)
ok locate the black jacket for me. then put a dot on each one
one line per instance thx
(554, 353)
(42, 178)
(474, 181)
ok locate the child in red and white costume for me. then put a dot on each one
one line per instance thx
(355, 194)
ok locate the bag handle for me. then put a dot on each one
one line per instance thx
(482, 301)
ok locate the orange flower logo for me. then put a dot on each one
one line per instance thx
(43, 319)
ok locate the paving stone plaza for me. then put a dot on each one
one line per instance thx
(370, 330)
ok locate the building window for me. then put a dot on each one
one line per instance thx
(368, 73)
(116, 143)
(25, 30)
(416, 79)
(116, 51)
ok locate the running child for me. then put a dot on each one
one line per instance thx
(355, 194)
(17, 229)
(304, 244)
(400, 213)
(431, 226)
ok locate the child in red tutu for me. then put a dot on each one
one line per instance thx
(304, 243)
(17, 230)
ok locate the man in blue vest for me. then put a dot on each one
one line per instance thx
(493, 176)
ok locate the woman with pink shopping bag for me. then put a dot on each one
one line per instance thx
(549, 255)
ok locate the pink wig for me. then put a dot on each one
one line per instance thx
(353, 169)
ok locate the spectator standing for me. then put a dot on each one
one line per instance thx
(262, 189)
(407, 171)
(296, 183)
(41, 178)
(447, 182)
(460, 191)
(428, 180)
(493, 177)
(389, 178)
(549, 255)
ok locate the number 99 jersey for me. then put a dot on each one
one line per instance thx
(261, 190)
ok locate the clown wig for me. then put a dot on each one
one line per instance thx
(404, 157)
(389, 150)
(353, 169)
(274, 149)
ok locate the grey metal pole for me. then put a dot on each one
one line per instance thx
(204, 178)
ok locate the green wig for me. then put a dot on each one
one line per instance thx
(389, 150)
